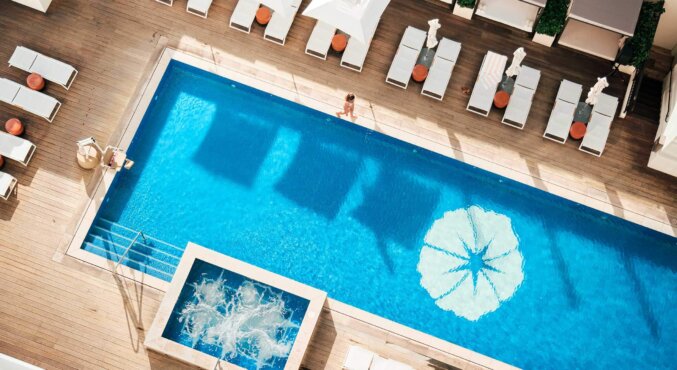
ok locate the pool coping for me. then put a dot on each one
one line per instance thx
(156, 342)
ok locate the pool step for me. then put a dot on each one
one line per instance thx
(147, 254)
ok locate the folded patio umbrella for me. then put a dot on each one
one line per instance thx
(517, 58)
(594, 92)
(357, 18)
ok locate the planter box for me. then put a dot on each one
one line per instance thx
(463, 12)
(543, 39)
(627, 69)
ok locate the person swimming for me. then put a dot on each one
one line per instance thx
(348, 107)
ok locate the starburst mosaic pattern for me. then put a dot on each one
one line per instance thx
(470, 262)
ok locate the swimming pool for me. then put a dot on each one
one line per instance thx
(432, 243)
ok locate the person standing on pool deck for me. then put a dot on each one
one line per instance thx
(348, 107)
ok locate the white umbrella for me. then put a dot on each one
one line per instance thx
(432, 33)
(471, 262)
(517, 58)
(594, 92)
(357, 18)
(279, 6)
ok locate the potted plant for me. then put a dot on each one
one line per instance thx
(636, 50)
(464, 8)
(551, 22)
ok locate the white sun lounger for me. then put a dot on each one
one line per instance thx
(29, 100)
(49, 68)
(562, 115)
(7, 183)
(243, 15)
(356, 51)
(199, 7)
(16, 148)
(358, 358)
(487, 82)
(597, 132)
(436, 83)
(279, 25)
(380, 363)
(320, 40)
(405, 58)
(522, 95)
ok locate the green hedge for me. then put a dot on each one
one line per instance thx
(466, 3)
(554, 15)
(641, 42)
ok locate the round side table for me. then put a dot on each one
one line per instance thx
(501, 99)
(419, 73)
(263, 15)
(14, 127)
(577, 130)
(88, 157)
(339, 42)
(35, 82)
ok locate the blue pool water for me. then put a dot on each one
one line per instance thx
(228, 316)
(432, 243)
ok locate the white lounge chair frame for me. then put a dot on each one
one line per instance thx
(29, 100)
(490, 75)
(243, 15)
(49, 68)
(319, 41)
(280, 24)
(599, 127)
(405, 57)
(356, 51)
(562, 115)
(7, 184)
(358, 358)
(519, 105)
(446, 55)
(16, 148)
(166, 2)
(199, 7)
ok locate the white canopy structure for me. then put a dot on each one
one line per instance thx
(357, 18)
(431, 41)
(517, 58)
(40, 5)
(597, 27)
(664, 152)
(596, 90)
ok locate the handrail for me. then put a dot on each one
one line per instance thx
(138, 234)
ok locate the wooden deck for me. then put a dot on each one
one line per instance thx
(59, 313)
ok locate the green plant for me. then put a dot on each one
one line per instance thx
(554, 15)
(466, 3)
(641, 42)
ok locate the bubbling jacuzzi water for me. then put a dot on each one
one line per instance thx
(250, 321)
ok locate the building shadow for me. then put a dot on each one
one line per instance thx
(397, 208)
(320, 177)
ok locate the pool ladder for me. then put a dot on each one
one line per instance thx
(122, 244)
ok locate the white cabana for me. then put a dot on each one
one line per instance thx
(357, 18)
(431, 41)
(521, 14)
(596, 90)
(598, 27)
(40, 5)
(517, 58)
(664, 152)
